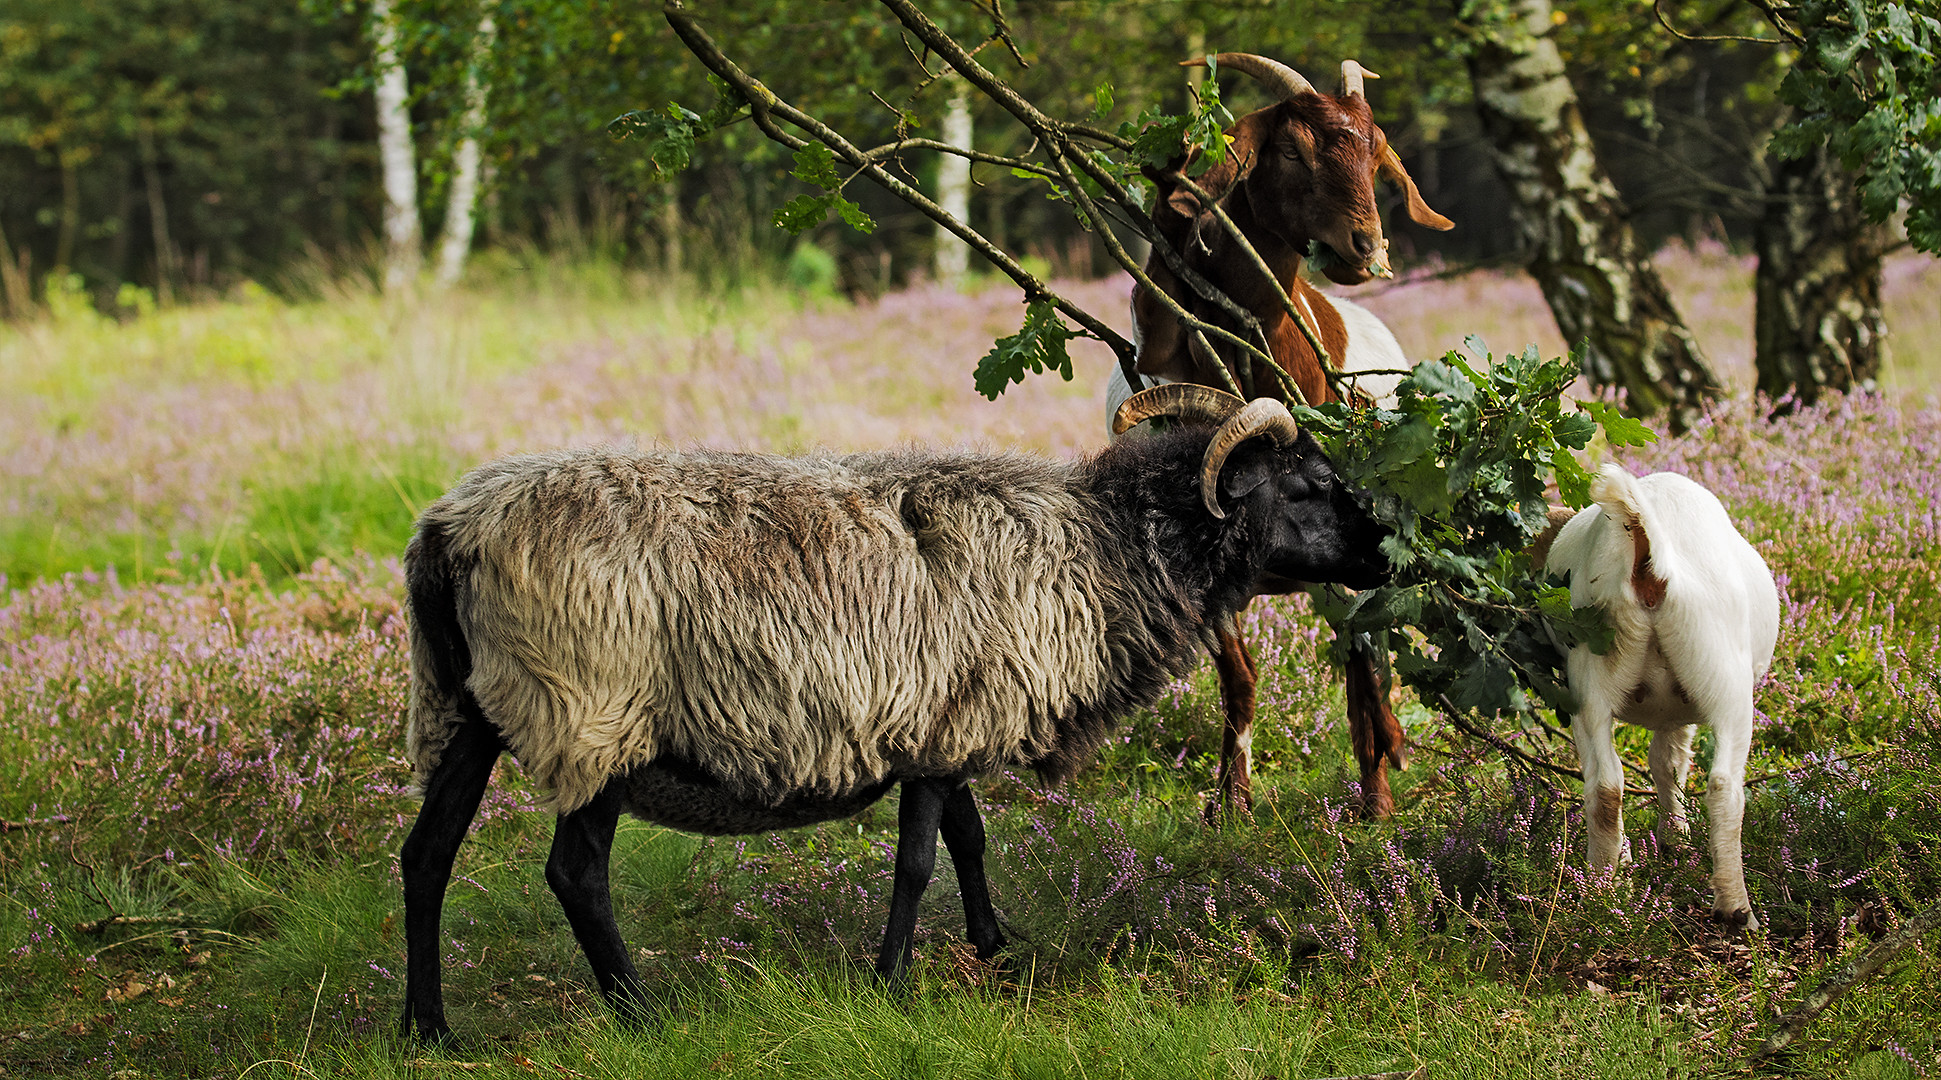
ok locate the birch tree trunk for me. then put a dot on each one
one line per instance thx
(395, 152)
(954, 184)
(462, 206)
(1817, 323)
(1600, 286)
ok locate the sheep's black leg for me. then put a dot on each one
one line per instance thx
(919, 812)
(577, 871)
(963, 831)
(451, 799)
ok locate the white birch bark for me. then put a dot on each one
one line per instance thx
(395, 152)
(1596, 276)
(462, 206)
(954, 184)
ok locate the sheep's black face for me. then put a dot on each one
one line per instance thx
(1311, 527)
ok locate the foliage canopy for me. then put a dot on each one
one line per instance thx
(1867, 86)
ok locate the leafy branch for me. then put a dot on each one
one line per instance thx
(1868, 88)
(1459, 470)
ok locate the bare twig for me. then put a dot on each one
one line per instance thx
(1096, 134)
(1639, 770)
(1211, 205)
(1454, 716)
(765, 105)
(1850, 974)
(1058, 147)
(877, 153)
(1658, 9)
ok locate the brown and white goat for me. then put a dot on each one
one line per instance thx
(1298, 175)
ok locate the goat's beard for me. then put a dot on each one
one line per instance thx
(1328, 262)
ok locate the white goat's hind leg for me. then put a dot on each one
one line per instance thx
(1603, 785)
(1725, 806)
(1671, 762)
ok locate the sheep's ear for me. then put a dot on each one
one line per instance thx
(1241, 477)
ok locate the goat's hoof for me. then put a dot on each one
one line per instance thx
(1742, 918)
(1222, 808)
(1377, 807)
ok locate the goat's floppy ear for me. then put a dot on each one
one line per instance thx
(1391, 169)
(1249, 135)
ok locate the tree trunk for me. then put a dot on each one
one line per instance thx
(14, 283)
(1600, 287)
(461, 208)
(109, 290)
(401, 231)
(70, 220)
(1817, 323)
(157, 216)
(670, 227)
(954, 184)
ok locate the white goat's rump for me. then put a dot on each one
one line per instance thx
(803, 626)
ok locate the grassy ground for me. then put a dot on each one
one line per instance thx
(201, 753)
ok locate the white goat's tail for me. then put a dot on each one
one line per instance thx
(1617, 491)
(1623, 501)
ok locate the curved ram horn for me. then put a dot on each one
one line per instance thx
(1276, 76)
(1352, 73)
(1262, 416)
(1190, 402)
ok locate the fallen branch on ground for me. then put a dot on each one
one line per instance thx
(173, 918)
(28, 823)
(1849, 975)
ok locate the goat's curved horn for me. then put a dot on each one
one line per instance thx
(1276, 76)
(1190, 402)
(1352, 73)
(1262, 416)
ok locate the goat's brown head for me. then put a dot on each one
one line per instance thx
(1310, 162)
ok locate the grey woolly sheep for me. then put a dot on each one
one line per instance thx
(732, 643)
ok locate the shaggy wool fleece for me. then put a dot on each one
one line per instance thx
(792, 626)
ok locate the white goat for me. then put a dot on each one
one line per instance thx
(1696, 614)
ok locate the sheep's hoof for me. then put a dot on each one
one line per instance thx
(437, 1036)
(631, 1011)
